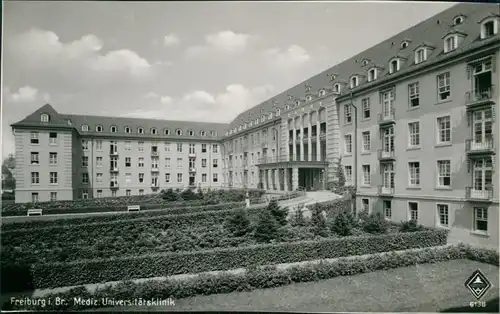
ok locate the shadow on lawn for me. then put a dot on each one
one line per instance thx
(491, 307)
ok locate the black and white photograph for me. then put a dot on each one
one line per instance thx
(236, 156)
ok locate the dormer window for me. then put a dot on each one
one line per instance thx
(394, 66)
(458, 20)
(263, 118)
(178, 132)
(278, 112)
(85, 128)
(336, 88)
(113, 129)
(44, 117)
(365, 62)
(166, 132)
(322, 93)
(308, 98)
(256, 121)
(140, 130)
(127, 130)
(270, 115)
(404, 44)
(154, 131)
(250, 123)
(297, 103)
(98, 128)
(372, 75)
(489, 27)
(354, 81)
(203, 133)
(287, 107)
(420, 55)
(240, 127)
(213, 133)
(450, 43)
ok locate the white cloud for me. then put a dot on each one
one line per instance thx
(158, 97)
(292, 57)
(171, 40)
(203, 106)
(43, 49)
(24, 94)
(223, 41)
(166, 99)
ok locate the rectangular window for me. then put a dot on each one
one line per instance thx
(215, 163)
(53, 196)
(215, 148)
(141, 191)
(179, 162)
(128, 146)
(99, 193)
(413, 209)
(53, 158)
(413, 95)
(128, 193)
(34, 197)
(167, 146)
(366, 204)
(34, 138)
(414, 134)
(444, 173)
(443, 213)
(140, 146)
(113, 193)
(140, 162)
(203, 148)
(85, 161)
(481, 219)
(85, 178)
(366, 175)
(128, 162)
(35, 158)
(414, 173)
(191, 149)
(98, 162)
(348, 175)
(203, 163)
(348, 144)
(35, 178)
(365, 104)
(443, 85)
(444, 130)
(167, 177)
(366, 141)
(179, 147)
(347, 114)
(85, 194)
(53, 178)
(99, 177)
(53, 138)
(98, 145)
(203, 177)
(167, 162)
(179, 178)
(215, 177)
(128, 177)
(141, 177)
(85, 144)
(387, 209)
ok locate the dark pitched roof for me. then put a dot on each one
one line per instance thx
(76, 122)
(429, 32)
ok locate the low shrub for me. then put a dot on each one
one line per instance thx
(260, 277)
(102, 270)
(343, 224)
(375, 223)
(318, 221)
(266, 227)
(238, 224)
(410, 226)
(298, 218)
(278, 213)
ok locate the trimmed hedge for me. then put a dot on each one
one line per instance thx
(36, 224)
(103, 270)
(263, 277)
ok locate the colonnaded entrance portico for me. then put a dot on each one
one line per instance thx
(292, 175)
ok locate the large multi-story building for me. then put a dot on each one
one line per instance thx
(411, 121)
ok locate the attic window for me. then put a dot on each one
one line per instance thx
(98, 128)
(372, 75)
(154, 131)
(297, 103)
(128, 130)
(85, 128)
(113, 129)
(489, 28)
(458, 20)
(257, 121)
(262, 118)
(203, 133)
(178, 132)
(250, 123)
(450, 43)
(166, 131)
(44, 117)
(354, 81)
(240, 127)
(278, 112)
(336, 88)
(140, 130)
(322, 93)
(420, 55)
(308, 97)
(404, 44)
(270, 115)
(213, 133)
(394, 66)
(365, 62)
(191, 133)
(287, 107)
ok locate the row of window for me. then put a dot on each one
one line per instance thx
(480, 217)
(154, 162)
(154, 146)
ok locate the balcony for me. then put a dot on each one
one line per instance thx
(385, 191)
(113, 169)
(192, 155)
(192, 169)
(155, 169)
(154, 153)
(113, 153)
(263, 145)
(472, 194)
(478, 97)
(386, 155)
(485, 146)
(113, 185)
(155, 186)
(387, 117)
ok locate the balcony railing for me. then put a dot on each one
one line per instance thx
(113, 185)
(387, 117)
(384, 190)
(113, 169)
(485, 194)
(155, 185)
(154, 153)
(192, 154)
(192, 169)
(483, 146)
(113, 152)
(287, 158)
(479, 96)
(386, 155)
(155, 169)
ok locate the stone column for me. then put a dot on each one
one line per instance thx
(294, 143)
(285, 178)
(301, 154)
(309, 136)
(318, 142)
(295, 178)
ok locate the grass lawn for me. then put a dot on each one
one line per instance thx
(422, 288)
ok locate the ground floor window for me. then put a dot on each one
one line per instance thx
(127, 192)
(113, 193)
(481, 219)
(387, 209)
(443, 213)
(413, 208)
(366, 204)
(141, 192)
(99, 193)
(85, 194)
(53, 196)
(34, 197)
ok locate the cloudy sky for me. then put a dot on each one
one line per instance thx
(181, 61)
